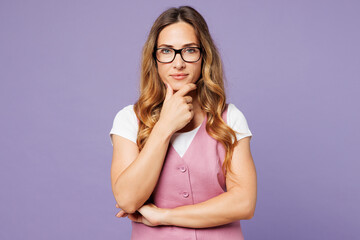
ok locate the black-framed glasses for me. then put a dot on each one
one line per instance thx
(188, 54)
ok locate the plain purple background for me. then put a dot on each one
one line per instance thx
(67, 67)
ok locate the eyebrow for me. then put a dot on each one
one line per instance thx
(185, 45)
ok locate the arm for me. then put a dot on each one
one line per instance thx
(237, 203)
(132, 182)
(134, 175)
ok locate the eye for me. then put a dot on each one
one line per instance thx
(191, 50)
(165, 50)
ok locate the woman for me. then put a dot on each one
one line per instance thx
(179, 169)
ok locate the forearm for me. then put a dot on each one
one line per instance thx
(136, 183)
(222, 209)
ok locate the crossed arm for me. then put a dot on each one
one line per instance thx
(237, 203)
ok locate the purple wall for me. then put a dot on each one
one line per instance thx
(67, 67)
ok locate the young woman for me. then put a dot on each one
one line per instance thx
(182, 166)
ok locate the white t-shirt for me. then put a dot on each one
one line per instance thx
(125, 124)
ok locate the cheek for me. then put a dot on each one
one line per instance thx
(198, 69)
(162, 72)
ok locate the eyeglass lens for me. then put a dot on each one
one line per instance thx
(188, 54)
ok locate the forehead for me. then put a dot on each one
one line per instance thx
(177, 35)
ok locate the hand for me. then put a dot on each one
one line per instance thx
(177, 110)
(148, 214)
(151, 215)
(121, 213)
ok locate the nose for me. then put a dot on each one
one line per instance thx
(178, 62)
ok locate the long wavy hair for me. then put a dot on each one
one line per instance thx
(210, 86)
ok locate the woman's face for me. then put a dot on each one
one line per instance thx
(178, 35)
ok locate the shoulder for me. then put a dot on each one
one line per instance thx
(125, 123)
(127, 113)
(237, 121)
(234, 113)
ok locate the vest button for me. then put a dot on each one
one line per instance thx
(183, 169)
(185, 194)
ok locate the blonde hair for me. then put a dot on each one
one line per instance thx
(210, 86)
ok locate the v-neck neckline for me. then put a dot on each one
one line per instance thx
(192, 141)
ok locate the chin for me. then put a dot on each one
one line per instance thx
(177, 85)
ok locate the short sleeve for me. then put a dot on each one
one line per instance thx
(125, 124)
(237, 121)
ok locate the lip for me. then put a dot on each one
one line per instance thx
(179, 76)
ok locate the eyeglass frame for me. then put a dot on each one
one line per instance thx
(176, 52)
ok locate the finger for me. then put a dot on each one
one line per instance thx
(188, 99)
(131, 217)
(135, 218)
(190, 107)
(169, 92)
(121, 213)
(185, 89)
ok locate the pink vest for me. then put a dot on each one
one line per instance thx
(191, 179)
